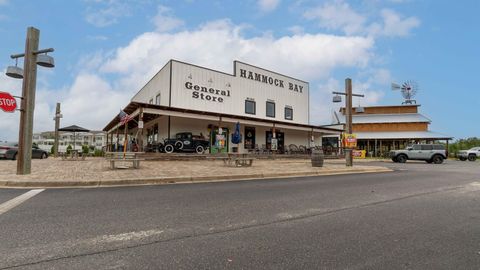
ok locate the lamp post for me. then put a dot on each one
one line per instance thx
(32, 57)
(57, 117)
(348, 114)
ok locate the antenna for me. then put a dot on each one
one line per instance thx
(408, 89)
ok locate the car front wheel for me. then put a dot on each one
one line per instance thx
(472, 158)
(169, 148)
(44, 156)
(14, 156)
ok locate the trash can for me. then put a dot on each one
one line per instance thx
(317, 158)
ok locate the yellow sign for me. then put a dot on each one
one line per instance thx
(359, 153)
(349, 140)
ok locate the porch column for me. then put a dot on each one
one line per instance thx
(140, 131)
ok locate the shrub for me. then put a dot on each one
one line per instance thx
(69, 149)
(85, 149)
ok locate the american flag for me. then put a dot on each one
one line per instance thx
(124, 117)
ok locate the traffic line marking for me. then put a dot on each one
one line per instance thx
(6, 206)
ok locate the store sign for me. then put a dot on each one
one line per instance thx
(270, 80)
(7, 102)
(359, 154)
(207, 93)
(349, 140)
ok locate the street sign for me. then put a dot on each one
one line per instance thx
(7, 102)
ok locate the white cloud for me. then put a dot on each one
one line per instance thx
(164, 21)
(217, 44)
(108, 13)
(394, 25)
(3, 2)
(337, 15)
(296, 29)
(268, 5)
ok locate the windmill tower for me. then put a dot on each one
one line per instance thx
(408, 89)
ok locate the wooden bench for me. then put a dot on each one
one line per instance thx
(113, 157)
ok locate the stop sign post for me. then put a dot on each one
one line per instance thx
(7, 102)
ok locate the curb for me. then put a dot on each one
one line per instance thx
(177, 180)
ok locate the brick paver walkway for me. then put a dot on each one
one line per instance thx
(95, 169)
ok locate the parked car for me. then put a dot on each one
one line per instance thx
(36, 153)
(4, 147)
(186, 142)
(471, 154)
(431, 153)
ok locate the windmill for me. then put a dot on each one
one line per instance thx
(409, 89)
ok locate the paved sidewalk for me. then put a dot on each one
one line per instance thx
(95, 172)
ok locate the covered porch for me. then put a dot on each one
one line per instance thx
(152, 124)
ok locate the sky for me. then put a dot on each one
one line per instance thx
(106, 50)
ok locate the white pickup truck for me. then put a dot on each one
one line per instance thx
(471, 154)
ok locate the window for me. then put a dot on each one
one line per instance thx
(151, 101)
(270, 109)
(157, 99)
(288, 113)
(249, 106)
(426, 147)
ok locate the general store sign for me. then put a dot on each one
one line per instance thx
(7, 102)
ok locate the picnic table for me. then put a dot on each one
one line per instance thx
(237, 159)
(114, 157)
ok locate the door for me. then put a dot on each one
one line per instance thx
(249, 142)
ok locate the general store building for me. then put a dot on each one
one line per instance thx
(183, 97)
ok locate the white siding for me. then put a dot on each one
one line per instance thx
(239, 89)
(159, 84)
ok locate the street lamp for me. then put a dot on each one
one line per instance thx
(32, 57)
(348, 114)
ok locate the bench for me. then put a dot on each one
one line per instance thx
(113, 157)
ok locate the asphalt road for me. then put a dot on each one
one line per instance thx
(421, 216)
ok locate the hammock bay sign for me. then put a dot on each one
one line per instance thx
(7, 102)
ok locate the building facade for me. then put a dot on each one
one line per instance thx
(94, 139)
(183, 97)
(380, 129)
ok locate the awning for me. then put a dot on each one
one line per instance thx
(407, 135)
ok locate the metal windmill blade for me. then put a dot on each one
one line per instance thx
(395, 86)
(409, 90)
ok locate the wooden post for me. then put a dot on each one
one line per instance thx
(125, 139)
(140, 139)
(24, 157)
(348, 118)
(57, 125)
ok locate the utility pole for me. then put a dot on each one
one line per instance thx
(348, 115)
(57, 126)
(27, 107)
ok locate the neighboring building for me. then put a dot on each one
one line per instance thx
(94, 139)
(183, 97)
(380, 129)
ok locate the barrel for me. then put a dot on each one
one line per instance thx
(317, 158)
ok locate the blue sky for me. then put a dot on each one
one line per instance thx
(105, 50)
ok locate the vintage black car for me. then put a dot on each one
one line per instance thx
(186, 142)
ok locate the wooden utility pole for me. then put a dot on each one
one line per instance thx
(27, 108)
(57, 126)
(348, 118)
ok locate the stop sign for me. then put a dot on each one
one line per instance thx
(7, 102)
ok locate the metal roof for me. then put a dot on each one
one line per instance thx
(403, 135)
(386, 118)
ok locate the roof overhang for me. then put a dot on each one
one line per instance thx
(135, 108)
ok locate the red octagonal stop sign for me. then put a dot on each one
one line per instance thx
(7, 102)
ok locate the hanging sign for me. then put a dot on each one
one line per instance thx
(7, 102)
(349, 140)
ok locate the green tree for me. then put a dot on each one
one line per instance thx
(69, 149)
(463, 144)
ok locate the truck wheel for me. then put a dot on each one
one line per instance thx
(199, 149)
(472, 157)
(178, 145)
(437, 159)
(402, 159)
(394, 159)
(169, 148)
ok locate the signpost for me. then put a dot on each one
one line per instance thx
(7, 102)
